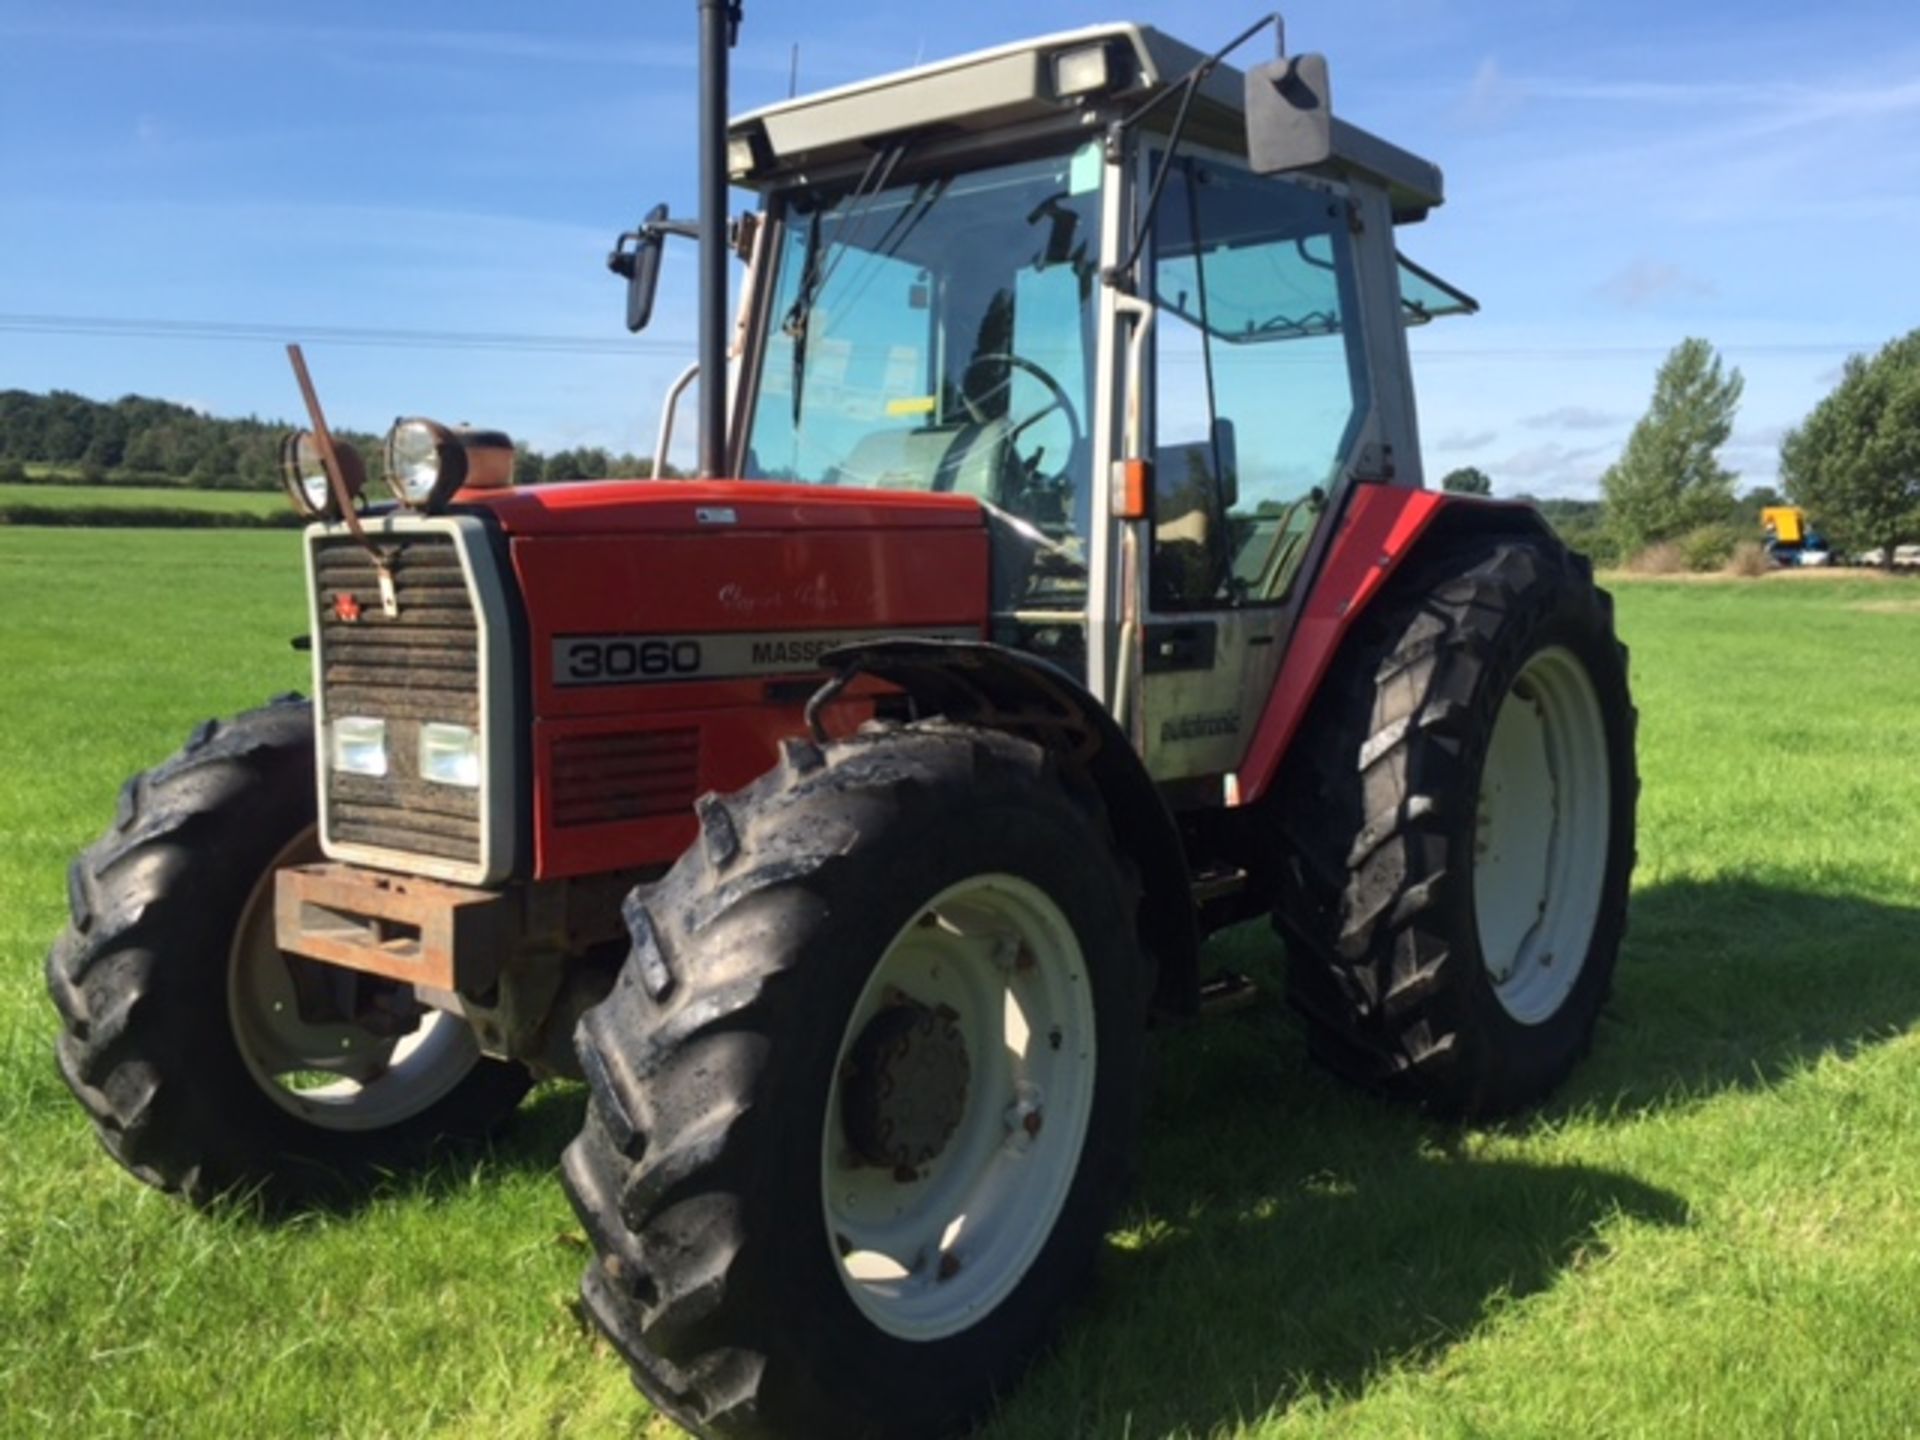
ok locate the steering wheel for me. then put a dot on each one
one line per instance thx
(1061, 399)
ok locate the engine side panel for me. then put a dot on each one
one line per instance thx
(671, 663)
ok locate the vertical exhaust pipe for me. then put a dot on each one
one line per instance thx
(719, 27)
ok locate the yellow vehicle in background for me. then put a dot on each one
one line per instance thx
(1790, 539)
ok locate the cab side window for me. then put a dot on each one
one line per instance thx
(1260, 388)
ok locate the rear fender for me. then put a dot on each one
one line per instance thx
(977, 683)
(1382, 526)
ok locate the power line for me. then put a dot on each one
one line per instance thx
(148, 328)
(247, 332)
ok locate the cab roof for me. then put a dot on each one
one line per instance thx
(1012, 85)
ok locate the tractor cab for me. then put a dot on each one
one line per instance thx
(1049, 277)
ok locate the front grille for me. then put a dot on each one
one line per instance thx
(420, 665)
(599, 779)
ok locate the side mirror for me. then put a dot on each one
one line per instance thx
(1289, 114)
(636, 255)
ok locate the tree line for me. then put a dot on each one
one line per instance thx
(1853, 464)
(139, 440)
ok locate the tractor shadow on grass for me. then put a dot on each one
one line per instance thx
(1290, 1240)
(1736, 984)
(528, 1144)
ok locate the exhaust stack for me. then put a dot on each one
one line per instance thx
(719, 29)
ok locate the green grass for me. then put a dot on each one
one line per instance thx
(1711, 1231)
(133, 497)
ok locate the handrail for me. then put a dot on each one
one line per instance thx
(672, 403)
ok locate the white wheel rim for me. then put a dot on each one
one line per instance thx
(334, 1076)
(1541, 836)
(928, 1256)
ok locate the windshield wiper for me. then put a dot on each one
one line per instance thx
(812, 278)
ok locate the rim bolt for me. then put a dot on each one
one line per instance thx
(1032, 1124)
(949, 1265)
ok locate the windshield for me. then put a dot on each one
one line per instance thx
(938, 335)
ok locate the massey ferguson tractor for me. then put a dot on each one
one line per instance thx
(1059, 587)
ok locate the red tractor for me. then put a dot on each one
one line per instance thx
(845, 823)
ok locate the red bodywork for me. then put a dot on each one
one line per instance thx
(707, 557)
(617, 767)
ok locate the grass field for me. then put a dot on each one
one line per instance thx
(1711, 1232)
(138, 497)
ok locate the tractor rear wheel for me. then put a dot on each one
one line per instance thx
(864, 1093)
(206, 1065)
(1458, 819)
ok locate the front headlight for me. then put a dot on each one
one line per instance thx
(304, 474)
(359, 745)
(450, 755)
(426, 463)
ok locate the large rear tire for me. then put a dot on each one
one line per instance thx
(1457, 819)
(183, 1031)
(864, 1093)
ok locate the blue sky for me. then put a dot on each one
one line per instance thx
(1620, 175)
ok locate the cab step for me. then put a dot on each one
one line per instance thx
(1217, 882)
(1226, 991)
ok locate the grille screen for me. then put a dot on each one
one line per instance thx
(598, 779)
(419, 666)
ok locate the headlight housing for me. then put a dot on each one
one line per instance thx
(360, 745)
(450, 754)
(304, 475)
(428, 463)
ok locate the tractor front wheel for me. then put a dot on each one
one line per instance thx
(1458, 825)
(209, 1061)
(863, 1095)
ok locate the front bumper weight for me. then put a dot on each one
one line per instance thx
(424, 932)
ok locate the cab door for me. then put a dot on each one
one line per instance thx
(1262, 412)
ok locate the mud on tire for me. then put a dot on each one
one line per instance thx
(698, 1173)
(141, 980)
(1377, 812)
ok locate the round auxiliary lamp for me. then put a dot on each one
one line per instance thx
(429, 463)
(304, 475)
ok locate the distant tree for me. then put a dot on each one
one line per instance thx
(1855, 461)
(564, 465)
(1467, 480)
(1759, 498)
(529, 466)
(1670, 480)
(12, 472)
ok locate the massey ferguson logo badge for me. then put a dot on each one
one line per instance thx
(346, 608)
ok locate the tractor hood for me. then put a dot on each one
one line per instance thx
(632, 507)
(674, 629)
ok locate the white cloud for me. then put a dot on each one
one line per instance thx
(1574, 417)
(1461, 441)
(1645, 282)
(1491, 97)
(1553, 471)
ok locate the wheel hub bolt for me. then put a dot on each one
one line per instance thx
(1024, 1117)
(949, 1265)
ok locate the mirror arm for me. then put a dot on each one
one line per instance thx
(1188, 86)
